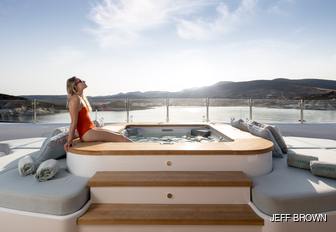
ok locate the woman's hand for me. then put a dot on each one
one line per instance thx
(67, 146)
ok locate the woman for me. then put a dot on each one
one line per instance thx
(79, 108)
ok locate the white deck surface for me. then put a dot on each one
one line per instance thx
(25, 138)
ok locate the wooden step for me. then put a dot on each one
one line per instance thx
(169, 178)
(170, 187)
(165, 214)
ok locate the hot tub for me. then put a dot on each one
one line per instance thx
(173, 147)
(170, 134)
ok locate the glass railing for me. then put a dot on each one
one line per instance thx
(276, 110)
(16, 111)
(186, 109)
(320, 110)
(45, 112)
(175, 110)
(145, 110)
(108, 110)
(222, 110)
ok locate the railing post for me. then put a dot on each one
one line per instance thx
(127, 110)
(250, 106)
(34, 110)
(32, 105)
(207, 109)
(301, 111)
(167, 109)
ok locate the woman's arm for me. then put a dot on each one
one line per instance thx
(74, 105)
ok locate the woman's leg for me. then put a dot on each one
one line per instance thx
(103, 135)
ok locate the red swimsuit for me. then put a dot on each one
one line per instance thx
(84, 122)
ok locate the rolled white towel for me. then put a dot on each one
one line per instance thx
(26, 166)
(47, 170)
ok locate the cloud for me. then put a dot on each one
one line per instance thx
(123, 21)
(225, 21)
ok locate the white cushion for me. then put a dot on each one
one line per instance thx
(303, 142)
(62, 195)
(294, 190)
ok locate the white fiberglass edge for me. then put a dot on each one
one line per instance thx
(88, 165)
(171, 195)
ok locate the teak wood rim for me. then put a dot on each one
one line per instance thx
(243, 146)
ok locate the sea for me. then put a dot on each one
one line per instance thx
(198, 114)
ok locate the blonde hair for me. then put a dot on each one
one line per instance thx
(72, 90)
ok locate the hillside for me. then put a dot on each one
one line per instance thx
(257, 89)
(10, 97)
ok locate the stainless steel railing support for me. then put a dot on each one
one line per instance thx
(250, 102)
(301, 111)
(167, 109)
(34, 111)
(127, 109)
(207, 108)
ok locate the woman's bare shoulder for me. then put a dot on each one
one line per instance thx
(74, 100)
(74, 97)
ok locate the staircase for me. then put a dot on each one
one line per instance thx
(170, 201)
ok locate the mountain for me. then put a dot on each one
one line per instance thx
(11, 97)
(277, 88)
(258, 89)
(56, 99)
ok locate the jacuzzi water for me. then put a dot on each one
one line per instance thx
(176, 139)
(171, 135)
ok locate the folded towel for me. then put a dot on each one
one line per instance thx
(299, 160)
(322, 168)
(26, 166)
(47, 170)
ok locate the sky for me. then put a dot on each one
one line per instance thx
(165, 45)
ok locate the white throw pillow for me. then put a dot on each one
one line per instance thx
(53, 147)
(240, 124)
(59, 130)
(275, 132)
(266, 134)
